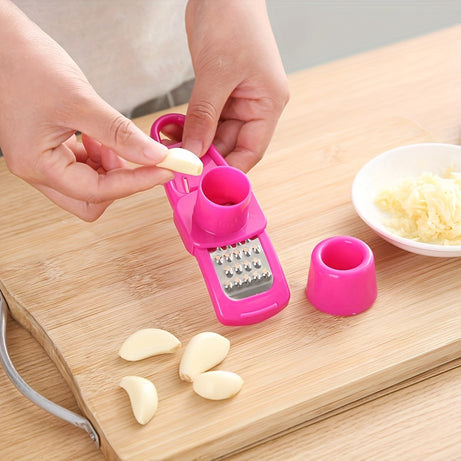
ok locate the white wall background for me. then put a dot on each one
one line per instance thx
(311, 32)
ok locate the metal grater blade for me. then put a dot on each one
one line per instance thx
(242, 268)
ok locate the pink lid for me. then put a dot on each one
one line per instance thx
(342, 276)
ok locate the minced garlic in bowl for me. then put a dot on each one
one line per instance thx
(426, 208)
(411, 197)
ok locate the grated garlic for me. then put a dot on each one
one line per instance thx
(426, 208)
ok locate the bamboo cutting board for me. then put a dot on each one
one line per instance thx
(82, 288)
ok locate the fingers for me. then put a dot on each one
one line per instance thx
(101, 156)
(88, 186)
(60, 171)
(85, 193)
(205, 106)
(101, 122)
(243, 144)
(226, 136)
(84, 210)
(245, 130)
(86, 178)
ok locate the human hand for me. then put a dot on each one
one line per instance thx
(44, 100)
(241, 88)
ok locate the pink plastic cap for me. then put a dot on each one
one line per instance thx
(222, 201)
(342, 276)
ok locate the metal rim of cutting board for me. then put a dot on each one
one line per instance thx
(37, 398)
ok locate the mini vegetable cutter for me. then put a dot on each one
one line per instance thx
(222, 225)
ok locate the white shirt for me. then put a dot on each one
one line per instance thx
(131, 51)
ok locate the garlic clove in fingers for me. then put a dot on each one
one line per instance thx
(182, 161)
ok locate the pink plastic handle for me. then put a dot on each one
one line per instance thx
(162, 122)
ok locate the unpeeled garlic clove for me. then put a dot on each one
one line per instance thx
(148, 342)
(217, 385)
(143, 397)
(182, 161)
(204, 351)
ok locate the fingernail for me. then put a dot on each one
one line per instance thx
(155, 151)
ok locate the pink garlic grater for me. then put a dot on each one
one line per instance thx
(222, 225)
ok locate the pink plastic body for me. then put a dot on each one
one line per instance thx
(217, 209)
(342, 276)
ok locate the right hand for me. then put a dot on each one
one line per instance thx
(240, 85)
(44, 100)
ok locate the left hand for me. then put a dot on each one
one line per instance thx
(241, 87)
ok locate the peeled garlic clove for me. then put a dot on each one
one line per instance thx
(143, 397)
(148, 342)
(203, 352)
(182, 161)
(217, 385)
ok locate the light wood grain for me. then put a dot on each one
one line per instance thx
(81, 288)
(422, 421)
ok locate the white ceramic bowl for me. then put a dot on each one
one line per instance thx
(389, 168)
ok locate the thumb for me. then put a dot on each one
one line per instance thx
(102, 122)
(203, 112)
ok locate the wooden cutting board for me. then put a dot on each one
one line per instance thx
(82, 288)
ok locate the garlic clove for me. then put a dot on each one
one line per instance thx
(182, 161)
(143, 397)
(204, 351)
(217, 385)
(148, 342)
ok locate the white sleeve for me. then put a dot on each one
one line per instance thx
(130, 51)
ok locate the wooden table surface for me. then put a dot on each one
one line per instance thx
(417, 81)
